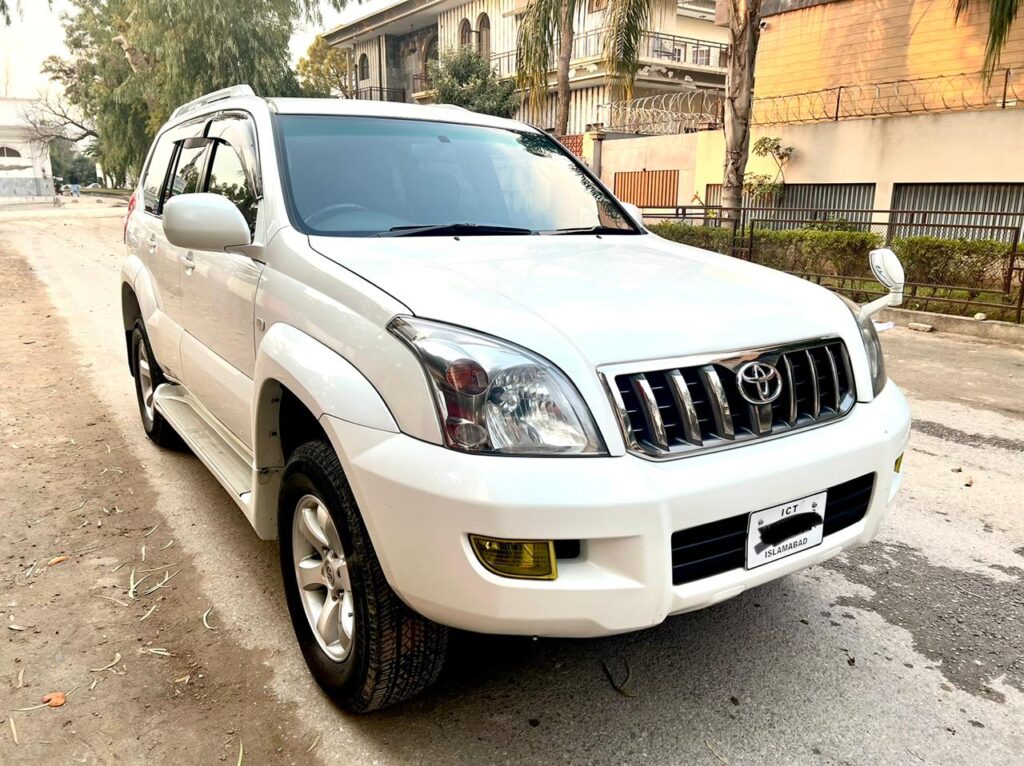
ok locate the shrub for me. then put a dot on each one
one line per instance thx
(712, 238)
(969, 263)
(813, 251)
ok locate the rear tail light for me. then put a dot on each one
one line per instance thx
(131, 207)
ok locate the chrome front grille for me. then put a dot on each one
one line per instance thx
(700, 404)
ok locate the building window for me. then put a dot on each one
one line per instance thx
(596, 6)
(702, 56)
(465, 33)
(429, 54)
(7, 151)
(364, 68)
(483, 31)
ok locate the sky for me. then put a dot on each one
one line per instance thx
(37, 33)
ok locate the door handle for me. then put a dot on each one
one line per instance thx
(188, 262)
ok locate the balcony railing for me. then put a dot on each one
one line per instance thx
(654, 46)
(377, 93)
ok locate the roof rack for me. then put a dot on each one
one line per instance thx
(209, 98)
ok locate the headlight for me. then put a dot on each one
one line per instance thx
(872, 347)
(493, 397)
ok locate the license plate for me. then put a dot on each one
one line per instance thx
(783, 530)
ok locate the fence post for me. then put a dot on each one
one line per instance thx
(839, 96)
(1006, 86)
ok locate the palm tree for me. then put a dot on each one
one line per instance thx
(1001, 15)
(549, 25)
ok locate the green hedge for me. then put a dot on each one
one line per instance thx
(712, 238)
(840, 252)
(969, 263)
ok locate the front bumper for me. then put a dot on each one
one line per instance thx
(421, 501)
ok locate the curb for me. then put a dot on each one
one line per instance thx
(985, 329)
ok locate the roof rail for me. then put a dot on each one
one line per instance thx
(209, 98)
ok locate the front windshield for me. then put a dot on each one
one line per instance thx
(365, 176)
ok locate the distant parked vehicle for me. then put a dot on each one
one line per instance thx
(93, 186)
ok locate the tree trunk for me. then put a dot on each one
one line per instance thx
(566, 35)
(744, 35)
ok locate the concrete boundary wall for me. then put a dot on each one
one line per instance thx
(978, 147)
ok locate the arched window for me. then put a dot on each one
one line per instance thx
(7, 151)
(483, 31)
(364, 68)
(429, 54)
(465, 34)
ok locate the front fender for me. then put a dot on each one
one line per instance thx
(325, 382)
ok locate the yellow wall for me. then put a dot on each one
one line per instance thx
(868, 41)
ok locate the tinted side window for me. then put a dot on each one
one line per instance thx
(156, 173)
(186, 178)
(227, 178)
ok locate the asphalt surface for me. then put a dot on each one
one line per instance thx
(908, 650)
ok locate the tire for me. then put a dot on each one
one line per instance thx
(148, 376)
(385, 653)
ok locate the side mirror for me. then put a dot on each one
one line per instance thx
(634, 213)
(205, 222)
(888, 270)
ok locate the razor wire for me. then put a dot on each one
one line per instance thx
(694, 110)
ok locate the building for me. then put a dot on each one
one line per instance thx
(884, 103)
(391, 49)
(25, 172)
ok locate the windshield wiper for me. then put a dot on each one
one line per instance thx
(591, 230)
(452, 229)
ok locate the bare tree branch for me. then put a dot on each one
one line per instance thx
(52, 120)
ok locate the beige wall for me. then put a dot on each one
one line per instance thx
(700, 30)
(869, 41)
(949, 147)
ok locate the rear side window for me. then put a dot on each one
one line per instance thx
(188, 171)
(156, 172)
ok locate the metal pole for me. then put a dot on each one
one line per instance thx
(1006, 85)
(839, 95)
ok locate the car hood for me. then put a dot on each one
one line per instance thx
(613, 298)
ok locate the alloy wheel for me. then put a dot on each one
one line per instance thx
(322, 575)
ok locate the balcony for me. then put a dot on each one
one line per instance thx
(377, 93)
(656, 49)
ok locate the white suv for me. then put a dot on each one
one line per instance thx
(465, 388)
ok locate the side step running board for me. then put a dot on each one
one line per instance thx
(219, 450)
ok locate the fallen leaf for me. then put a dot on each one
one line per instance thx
(55, 699)
(12, 626)
(56, 560)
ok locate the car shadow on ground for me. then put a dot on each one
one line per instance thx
(605, 700)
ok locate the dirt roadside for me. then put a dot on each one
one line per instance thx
(146, 681)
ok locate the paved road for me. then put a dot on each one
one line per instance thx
(909, 650)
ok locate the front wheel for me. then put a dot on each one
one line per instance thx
(364, 647)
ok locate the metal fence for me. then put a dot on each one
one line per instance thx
(377, 93)
(953, 268)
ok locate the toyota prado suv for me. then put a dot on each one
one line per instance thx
(464, 387)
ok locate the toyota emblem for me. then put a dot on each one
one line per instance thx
(759, 382)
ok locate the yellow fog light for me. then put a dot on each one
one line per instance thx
(531, 559)
(899, 463)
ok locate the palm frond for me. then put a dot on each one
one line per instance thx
(538, 32)
(1002, 15)
(626, 21)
